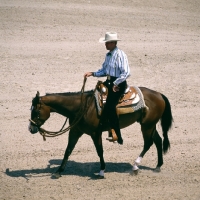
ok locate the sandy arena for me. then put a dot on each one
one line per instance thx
(47, 46)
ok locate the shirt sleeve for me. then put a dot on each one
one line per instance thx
(101, 72)
(123, 67)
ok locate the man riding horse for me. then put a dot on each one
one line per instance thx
(117, 70)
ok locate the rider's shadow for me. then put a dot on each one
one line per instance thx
(73, 169)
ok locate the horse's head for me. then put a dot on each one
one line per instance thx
(39, 114)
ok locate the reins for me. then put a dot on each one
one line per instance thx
(82, 111)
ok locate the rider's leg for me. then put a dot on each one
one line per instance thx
(110, 109)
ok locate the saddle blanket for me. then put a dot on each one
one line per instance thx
(131, 101)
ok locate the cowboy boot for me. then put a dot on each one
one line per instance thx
(112, 137)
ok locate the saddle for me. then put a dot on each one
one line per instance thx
(128, 99)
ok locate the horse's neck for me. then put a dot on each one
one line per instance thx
(60, 103)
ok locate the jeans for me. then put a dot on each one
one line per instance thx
(111, 103)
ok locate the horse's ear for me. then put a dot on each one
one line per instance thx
(38, 94)
(36, 99)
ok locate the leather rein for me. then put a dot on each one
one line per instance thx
(46, 133)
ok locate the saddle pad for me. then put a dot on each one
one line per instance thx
(131, 101)
(136, 104)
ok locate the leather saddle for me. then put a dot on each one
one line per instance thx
(130, 96)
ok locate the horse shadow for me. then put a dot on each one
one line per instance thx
(86, 169)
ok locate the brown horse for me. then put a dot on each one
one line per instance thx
(82, 106)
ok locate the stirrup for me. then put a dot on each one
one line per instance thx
(112, 137)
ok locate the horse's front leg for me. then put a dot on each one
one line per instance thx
(74, 135)
(97, 139)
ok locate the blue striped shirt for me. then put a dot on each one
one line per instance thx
(116, 65)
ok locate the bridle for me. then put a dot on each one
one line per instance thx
(35, 123)
(81, 113)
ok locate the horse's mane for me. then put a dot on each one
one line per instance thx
(35, 100)
(69, 93)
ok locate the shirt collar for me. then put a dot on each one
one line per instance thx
(110, 53)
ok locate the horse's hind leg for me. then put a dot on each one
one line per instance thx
(158, 142)
(150, 136)
(73, 137)
(97, 139)
(148, 141)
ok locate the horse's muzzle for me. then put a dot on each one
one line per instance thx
(33, 129)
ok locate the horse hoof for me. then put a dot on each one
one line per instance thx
(100, 177)
(134, 172)
(55, 176)
(157, 170)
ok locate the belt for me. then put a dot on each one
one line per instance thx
(111, 78)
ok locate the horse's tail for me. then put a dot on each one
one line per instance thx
(166, 123)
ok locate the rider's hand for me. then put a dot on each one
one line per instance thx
(115, 88)
(87, 74)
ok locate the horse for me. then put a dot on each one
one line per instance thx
(80, 109)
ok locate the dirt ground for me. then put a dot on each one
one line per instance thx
(47, 46)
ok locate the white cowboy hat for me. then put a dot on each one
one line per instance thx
(109, 37)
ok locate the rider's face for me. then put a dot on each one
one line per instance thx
(110, 45)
